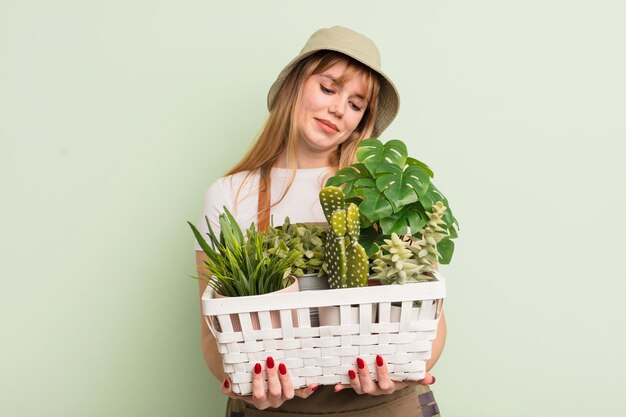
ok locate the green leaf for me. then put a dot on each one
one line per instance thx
(397, 222)
(375, 206)
(205, 247)
(365, 183)
(398, 188)
(416, 219)
(347, 176)
(415, 162)
(446, 249)
(368, 238)
(373, 153)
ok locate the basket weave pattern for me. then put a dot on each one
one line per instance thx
(323, 354)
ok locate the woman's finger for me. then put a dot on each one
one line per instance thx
(258, 389)
(274, 390)
(339, 387)
(385, 384)
(305, 392)
(226, 387)
(365, 382)
(284, 381)
(427, 380)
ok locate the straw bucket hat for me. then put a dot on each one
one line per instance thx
(358, 47)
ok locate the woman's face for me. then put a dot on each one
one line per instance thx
(329, 112)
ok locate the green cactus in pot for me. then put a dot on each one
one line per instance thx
(345, 259)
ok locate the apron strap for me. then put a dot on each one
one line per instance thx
(265, 194)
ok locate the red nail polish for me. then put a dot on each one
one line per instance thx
(257, 368)
(282, 369)
(379, 360)
(313, 388)
(351, 374)
(433, 380)
(360, 363)
(270, 362)
(226, 384)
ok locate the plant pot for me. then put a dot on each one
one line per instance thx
(310, 282)
(331, 316)
(274, 315)
(396, 310)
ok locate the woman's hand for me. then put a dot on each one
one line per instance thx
(279, 387)
(362, 383)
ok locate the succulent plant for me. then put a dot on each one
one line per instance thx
(238, 265)
(345, 259)
(308, 240)
(425, 247)
(396, 263)
(402, 262)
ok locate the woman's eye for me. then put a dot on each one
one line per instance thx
(355, 107)
(326, 90)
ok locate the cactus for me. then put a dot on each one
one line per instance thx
(346, 260)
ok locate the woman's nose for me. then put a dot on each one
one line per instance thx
(336, 109)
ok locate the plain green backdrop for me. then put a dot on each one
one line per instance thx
(116, 115)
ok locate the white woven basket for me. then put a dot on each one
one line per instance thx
(323, 355)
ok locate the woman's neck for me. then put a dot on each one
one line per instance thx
(308, 162)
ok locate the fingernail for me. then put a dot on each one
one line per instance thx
(257, 368)
(282, 369)
(434, 379)
(360, 363)
(379, 360)
(351, 374)
(226, 384)
(270, 362)
(313, 388)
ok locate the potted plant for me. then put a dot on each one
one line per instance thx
(346, 261)
(406, 226)
(394, 193)
(306, 239)
(244, 266)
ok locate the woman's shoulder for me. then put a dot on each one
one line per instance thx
(231, 183)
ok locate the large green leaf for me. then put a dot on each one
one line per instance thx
(398, 222)
(373, 153)
(417, 219)
(375, 206)
(403, 187)
(415, 162)
(347, 176)
(356, 191)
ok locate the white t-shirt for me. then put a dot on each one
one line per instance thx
(301, 203)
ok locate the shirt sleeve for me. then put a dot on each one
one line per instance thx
(212, 206)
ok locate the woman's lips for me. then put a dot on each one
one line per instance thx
(327, 126)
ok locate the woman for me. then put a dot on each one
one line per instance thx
(328, 99)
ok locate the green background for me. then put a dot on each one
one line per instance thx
(116, 115)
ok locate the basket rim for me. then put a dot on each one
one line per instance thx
(430, 290)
